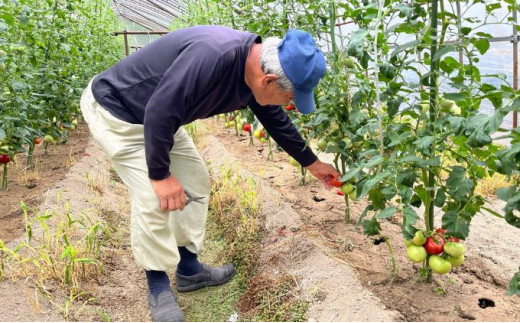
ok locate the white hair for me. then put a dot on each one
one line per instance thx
(270, 62)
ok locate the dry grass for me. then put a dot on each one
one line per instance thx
(489, 185)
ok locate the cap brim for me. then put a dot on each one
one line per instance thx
(304, 101)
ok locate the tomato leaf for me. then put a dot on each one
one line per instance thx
(371, 227)
(456, 225)
(514, 285)
(458, 185)
(410, 217)
(386, 213)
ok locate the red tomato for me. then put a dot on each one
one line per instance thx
(434, 248)
(37, 141)
(4, 159)
(453, 239)
(246, 127)
(339, 192)
(290, 107)
(335, 182)
(441, 231)
(262, 134)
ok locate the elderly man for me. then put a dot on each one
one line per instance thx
(136, 109)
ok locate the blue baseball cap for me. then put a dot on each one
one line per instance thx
(304, 64)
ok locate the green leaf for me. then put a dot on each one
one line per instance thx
(505, 193)
(513, 287)
(386, 213)
(424, 144)
(440, 197)
(455, 224)
(371, 227)
(393, 106)
(457, 184)
(482, 44)
(443, 51)
(404, 47)
(512, 219)
(410, 217)
(369, 184)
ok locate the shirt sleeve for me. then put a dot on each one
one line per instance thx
(191, 76)
(281, 128)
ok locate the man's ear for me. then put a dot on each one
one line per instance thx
(267, 79)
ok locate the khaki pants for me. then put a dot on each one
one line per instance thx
(155, 234)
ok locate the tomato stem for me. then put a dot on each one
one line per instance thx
(4, 178)
(347, 209)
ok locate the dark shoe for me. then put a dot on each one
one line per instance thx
(164, 307)
(209, 276)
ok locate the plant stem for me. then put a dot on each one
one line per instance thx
(390, 250)
(4, 178)
(433, 100)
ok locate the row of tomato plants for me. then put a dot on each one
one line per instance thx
(48, 51)
(402, 119)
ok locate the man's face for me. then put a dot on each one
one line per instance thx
(269, 92)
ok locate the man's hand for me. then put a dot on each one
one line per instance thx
(323, 172)
(170, 193)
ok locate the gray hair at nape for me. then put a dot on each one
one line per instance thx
(270, 62)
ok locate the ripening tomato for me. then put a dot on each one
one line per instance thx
(432, 247)
(5, 159)
(37, 141)
(453, 239)
(335, 182)
(441, 231)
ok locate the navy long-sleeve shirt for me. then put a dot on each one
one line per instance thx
(189, 74)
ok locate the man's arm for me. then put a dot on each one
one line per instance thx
(281, 128)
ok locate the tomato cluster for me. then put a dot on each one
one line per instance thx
(445, 251)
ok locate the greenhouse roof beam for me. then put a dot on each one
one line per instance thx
(132, 16)
(166, 8)
(145, 15)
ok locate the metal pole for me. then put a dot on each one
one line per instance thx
(459, 19)
(127, 52)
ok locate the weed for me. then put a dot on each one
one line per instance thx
(68, 255)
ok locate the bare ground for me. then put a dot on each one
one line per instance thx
(343, 275)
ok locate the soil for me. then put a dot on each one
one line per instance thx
(344, 275)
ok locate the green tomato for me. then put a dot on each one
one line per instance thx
(407, 242)
(439, 265)
(2, 53)
(322, 144)
(350, 62)
(347, 188)
(353, 196)
(446, 104)
(2, 66)
(293, 162)
(416, 253)
(419, 239)
(455, 261)
(49, 139)
(348, 142)
(425, 107)
(455, 110)
(454, 249)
